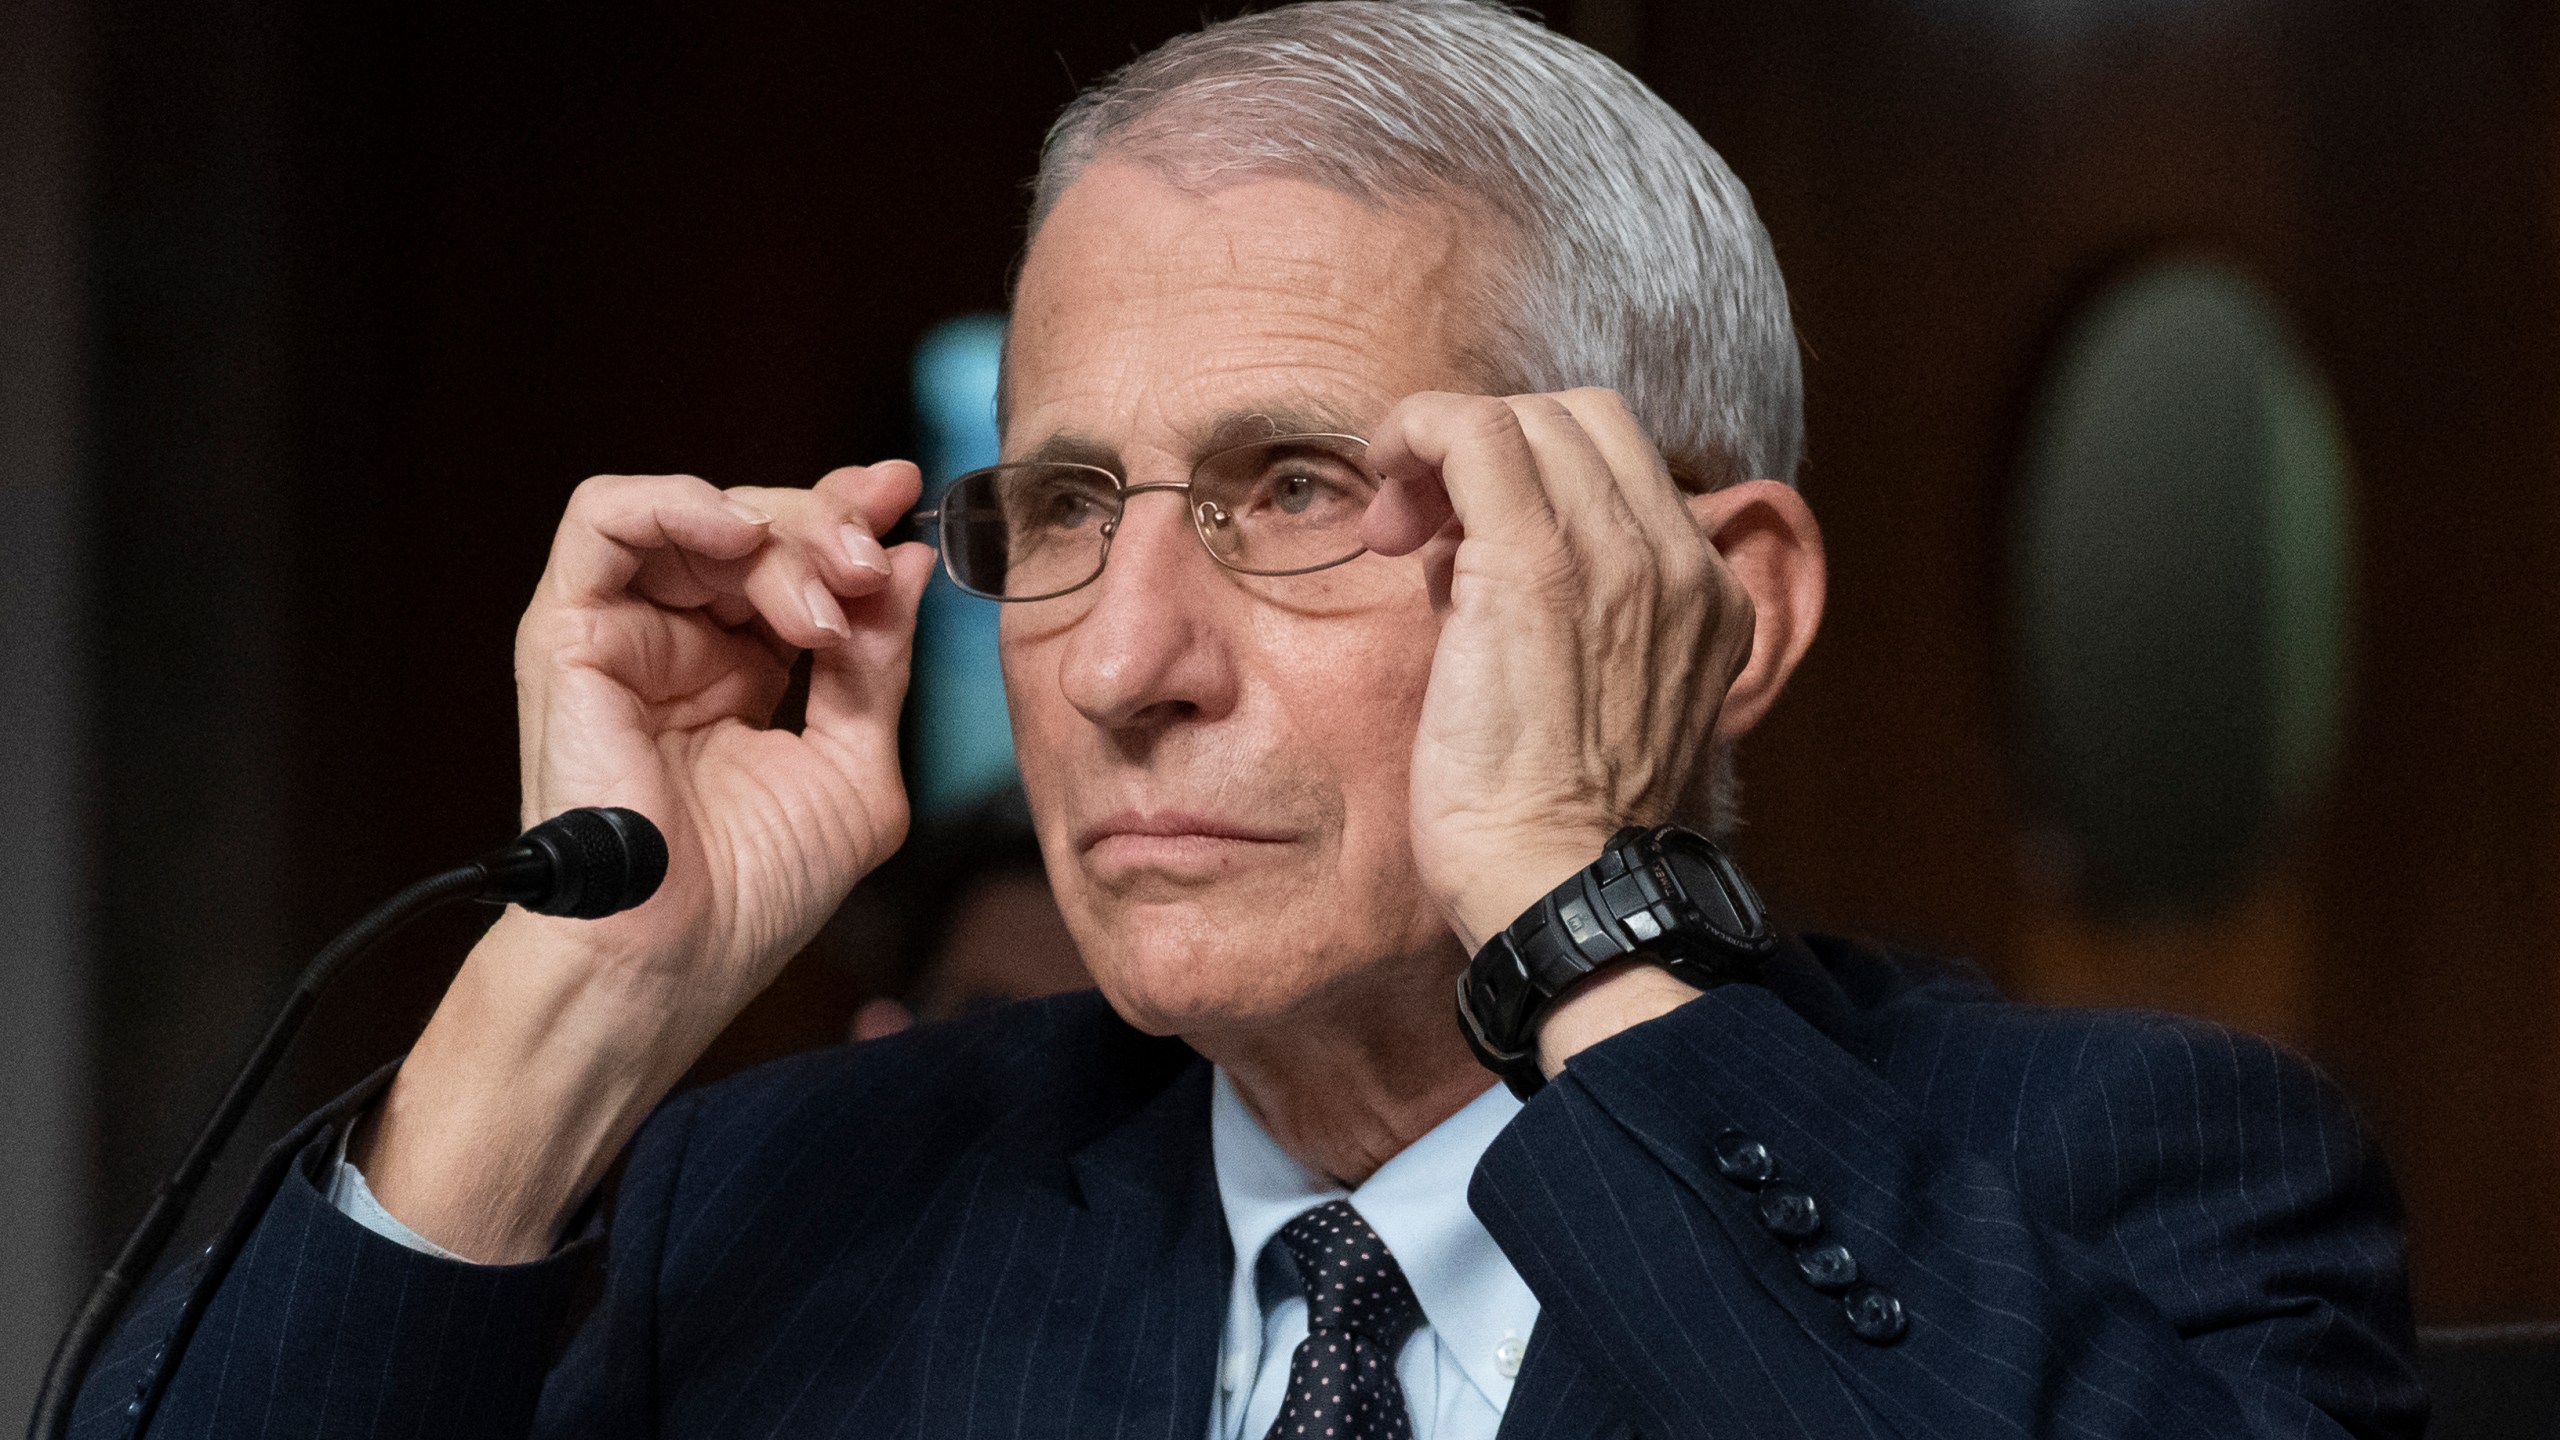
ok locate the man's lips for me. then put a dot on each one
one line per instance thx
(1175, 825)
(1172, 841)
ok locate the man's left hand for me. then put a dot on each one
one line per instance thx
(1601, 633)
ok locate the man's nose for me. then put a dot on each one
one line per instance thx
(1150, 648)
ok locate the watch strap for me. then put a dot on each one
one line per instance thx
(1625, 903)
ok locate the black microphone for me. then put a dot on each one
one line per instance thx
(586, 863)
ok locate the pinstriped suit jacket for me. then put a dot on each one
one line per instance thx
(2098, 1224)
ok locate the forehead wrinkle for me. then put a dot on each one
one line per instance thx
(1158, 322)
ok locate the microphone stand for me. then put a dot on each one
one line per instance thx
(115, 1286)
(585, 863)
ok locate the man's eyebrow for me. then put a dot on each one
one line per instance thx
(1070, 448)
(1235, 427)
(1244, 426)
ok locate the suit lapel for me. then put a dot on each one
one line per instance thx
(1097, 1308)
(1110, 1274)
(1159, 1239)
(1152, 1237)
(1556, 1398)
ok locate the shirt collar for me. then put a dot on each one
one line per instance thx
(1417, 1202)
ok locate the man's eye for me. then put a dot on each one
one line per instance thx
(1068, 510)
(1305, 493)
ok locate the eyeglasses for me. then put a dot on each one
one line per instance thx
(1034, 530)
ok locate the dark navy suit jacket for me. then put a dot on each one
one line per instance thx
(2097, 1224)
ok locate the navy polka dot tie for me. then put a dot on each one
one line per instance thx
(1342, 1381)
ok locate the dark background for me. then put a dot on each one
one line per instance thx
(362, 292)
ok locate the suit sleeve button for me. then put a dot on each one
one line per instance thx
(1875, 1316)
(1743, 1160)
(1829, 1268)
(1789, 1211)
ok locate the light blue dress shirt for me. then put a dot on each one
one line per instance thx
(1457, 1369)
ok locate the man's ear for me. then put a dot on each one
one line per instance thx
(1767, 537)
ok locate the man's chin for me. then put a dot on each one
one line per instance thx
(1196, 997)
(1229, 959)
(1193, 978)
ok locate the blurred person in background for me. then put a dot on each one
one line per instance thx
(982, 927)
(1396, 534)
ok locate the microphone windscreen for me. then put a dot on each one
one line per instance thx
(602, 861)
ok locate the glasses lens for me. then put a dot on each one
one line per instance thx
(1284, 505)
(1019, 532)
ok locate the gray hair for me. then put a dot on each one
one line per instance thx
(1635, 259)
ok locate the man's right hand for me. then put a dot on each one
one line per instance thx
(656, 648)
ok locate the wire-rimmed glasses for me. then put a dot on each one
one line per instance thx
(1037, 529)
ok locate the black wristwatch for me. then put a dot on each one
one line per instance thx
(1665, 893)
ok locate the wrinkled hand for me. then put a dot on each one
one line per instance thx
(1590, 632)
(648, 667)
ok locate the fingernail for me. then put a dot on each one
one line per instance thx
(863, 551)
(823, 611)
(745, 511)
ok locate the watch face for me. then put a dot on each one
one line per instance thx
(1694, 867)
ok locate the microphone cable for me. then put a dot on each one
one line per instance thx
(586, 863)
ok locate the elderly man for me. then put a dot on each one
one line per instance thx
(1395, 534)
